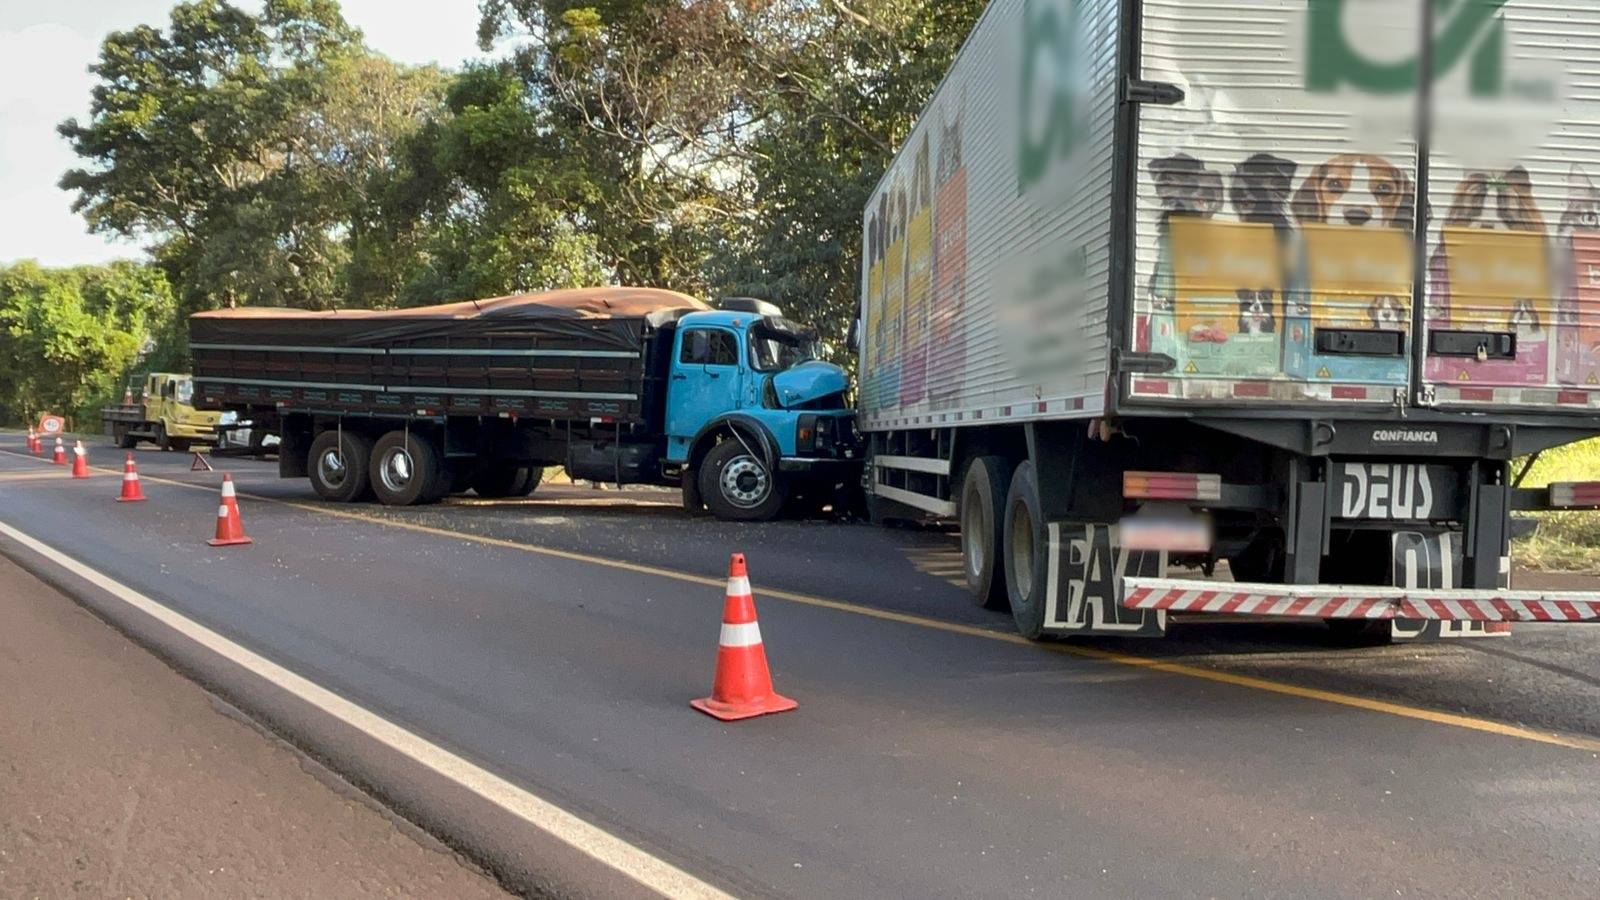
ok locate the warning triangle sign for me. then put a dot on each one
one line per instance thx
(1324, 373)
(1593, 379)
(1463, 376)
(1191, 369)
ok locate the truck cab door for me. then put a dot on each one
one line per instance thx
(704, 383)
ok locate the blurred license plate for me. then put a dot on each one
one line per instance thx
(1175, 534)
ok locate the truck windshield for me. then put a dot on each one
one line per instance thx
(774, 348)
(185, 391)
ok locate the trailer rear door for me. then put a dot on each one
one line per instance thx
(1277, 247)
(1513, 248)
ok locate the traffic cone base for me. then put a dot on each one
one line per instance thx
(132, 491)
(742, 688)
(230, 528)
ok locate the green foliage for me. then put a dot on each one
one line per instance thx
(716, 147)
(1565, 541)
(69, 335)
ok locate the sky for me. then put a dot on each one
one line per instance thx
(45, 51)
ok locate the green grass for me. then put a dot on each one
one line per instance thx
(1566, 541)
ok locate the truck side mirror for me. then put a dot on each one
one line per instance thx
(852, 338)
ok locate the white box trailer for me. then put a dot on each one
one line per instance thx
(1282, 283)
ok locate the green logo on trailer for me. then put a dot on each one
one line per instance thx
(1469, 32)
(1049, 125)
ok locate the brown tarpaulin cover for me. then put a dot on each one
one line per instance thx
(613, 316)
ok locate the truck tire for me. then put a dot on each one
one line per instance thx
(738, 486)
(983, 497)
(497, 479)
(405, 470)
(1027, 553)
(161, 438)
(535, 477)
(338, 473)
(125, 441)
(181, 445)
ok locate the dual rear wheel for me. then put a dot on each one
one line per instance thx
(1004, 541)
(399, 468)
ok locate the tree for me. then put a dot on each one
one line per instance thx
(747, 133)
(69, 335)
(242, 147)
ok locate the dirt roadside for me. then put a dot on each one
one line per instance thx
(119, 777)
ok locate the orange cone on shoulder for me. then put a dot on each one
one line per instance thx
(132, 491)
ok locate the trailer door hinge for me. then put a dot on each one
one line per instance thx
(1135, 90)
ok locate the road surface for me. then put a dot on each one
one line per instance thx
(553, 644)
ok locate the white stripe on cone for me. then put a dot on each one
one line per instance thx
(222, 512)
(227, 489)
(745, 635)
(738, 586)
(130, 476)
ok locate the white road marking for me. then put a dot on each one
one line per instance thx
(598, 844)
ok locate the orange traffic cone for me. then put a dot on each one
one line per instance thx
(743, 685)
(33, 442)
(132, 491)
(230, 529)
(60, 457)
(80, 461)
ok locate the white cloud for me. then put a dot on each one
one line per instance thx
(45, 52)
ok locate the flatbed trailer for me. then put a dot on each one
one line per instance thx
(1157, 288)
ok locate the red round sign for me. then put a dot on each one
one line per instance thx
(50, 424)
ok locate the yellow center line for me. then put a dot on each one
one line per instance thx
(1455, 720)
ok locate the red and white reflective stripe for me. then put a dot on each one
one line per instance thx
(1225, 600)
(227, 489)
(738, 586)
(1336, 602)
(1564, 494)
(222, 512)
(740, 634)
(130, 475)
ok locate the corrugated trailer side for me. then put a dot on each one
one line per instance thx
(989, 258)
(988, 242)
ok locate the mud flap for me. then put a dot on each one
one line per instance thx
(1434, 561)
(1084, 593)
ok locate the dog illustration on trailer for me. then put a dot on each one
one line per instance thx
(1492, 271)
(1355, 214)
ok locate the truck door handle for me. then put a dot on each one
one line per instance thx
(713, 374)
(680, 377)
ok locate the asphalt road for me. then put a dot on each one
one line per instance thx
(556, 642)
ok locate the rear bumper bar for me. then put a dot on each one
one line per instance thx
(1356, 602)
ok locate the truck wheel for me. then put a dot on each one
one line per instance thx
(406, 470)
(534, 477)
(493, 480)
(124, 440)
(339, 473)
(738, 486)
(1027, 553)
(181, 445)
(161, 438)
(983, 496)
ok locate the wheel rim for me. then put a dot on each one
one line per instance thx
(973, 540)
(332, 469)
(1022, 550)
(745, 482)
(397, 470)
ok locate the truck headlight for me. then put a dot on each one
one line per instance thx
(230, 417)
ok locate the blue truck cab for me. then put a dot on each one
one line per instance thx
(753, 418)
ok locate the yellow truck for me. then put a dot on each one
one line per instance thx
(163, 415)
